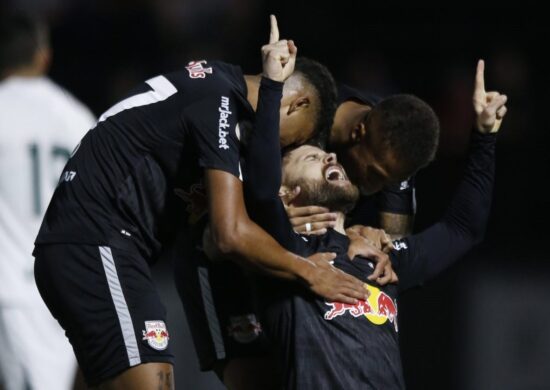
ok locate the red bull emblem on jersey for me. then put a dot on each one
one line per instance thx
(196, 70)
(378, 308)
(244, 329)
(156, 334)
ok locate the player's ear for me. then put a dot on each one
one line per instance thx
(358, 132)
(299, 103)
(288, 194)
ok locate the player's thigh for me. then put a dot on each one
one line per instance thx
(220, 308)
(106, 301)
(251, 374)
(143, 377)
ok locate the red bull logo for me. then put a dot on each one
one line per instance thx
(156, 334)
(196, 70)
(378, 308)
(244, 329)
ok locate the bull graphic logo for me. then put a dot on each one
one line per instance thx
(378, 308)
(245, 328)
(156, 335)
(196, 70)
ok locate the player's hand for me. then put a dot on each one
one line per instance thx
(361, 246)
(331, 283)
(377, 237)
(489, 106)
(278, 56)
(311, 219)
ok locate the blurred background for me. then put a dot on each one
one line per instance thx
(484, 323)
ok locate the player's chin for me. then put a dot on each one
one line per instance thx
(339, 183)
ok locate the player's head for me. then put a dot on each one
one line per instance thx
(24, 47)
(391, 142)
(321, 180)
(308, 104)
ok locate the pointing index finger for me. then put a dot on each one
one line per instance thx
(274, 34)
(480, 78)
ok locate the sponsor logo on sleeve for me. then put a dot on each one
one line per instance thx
(197, 70)
(223, 123)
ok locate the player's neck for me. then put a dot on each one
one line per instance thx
(24, 71)
(339, 226)
(253, 86)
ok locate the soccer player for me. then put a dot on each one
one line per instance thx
(326, 345)
(380, 142)
(40, 124)
(108, 218)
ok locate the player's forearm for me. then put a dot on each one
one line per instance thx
(397, 207)
(235, 235)
(263, 154)
(426, 254)
(263, 167)
(469, 210)
(396, 225)
(251, 246)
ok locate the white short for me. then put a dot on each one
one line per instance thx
(34, 351)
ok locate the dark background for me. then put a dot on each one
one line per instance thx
(484, 323)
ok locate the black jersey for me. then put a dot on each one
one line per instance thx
(339, 346)
(332, 345)
(118, 187)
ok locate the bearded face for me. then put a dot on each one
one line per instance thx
(322, 181)
(325, 194)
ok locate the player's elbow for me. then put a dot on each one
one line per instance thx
(228, 238)
(225, 242)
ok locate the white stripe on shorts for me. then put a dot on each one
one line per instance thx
(120, 305)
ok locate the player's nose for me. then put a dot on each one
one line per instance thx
(330, 158)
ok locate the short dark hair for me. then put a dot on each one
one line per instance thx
(409, 128)
(21, 35)
(318, 76)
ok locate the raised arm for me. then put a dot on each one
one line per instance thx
(237, 236)
(422, 256)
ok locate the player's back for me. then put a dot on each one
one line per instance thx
(117, 187)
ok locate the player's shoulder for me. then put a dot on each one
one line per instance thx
(208, 75)
(44, 96)
(69, 100)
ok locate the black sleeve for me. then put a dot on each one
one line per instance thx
(214, 120)
(398, 198)
(420, 257)
(263, 168)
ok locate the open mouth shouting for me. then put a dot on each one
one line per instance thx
(335, 174)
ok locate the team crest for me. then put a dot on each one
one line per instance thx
(156, 334)
(196, 70)
(244, 329)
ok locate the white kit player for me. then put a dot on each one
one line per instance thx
(40, 124)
